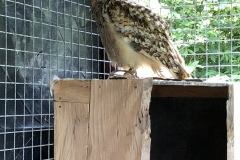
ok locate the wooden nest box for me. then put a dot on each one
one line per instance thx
(144, 119)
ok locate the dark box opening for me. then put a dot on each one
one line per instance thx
(188, 129)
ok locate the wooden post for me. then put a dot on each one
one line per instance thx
(102, 119)
(233, 122)
(237, 121)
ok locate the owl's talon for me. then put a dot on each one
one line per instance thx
(123, 74)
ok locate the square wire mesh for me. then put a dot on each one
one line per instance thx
(43, 38)
(40, 39)
(206, 33)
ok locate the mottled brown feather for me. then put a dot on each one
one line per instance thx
(134, 36)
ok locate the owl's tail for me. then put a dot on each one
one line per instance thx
(182, 74)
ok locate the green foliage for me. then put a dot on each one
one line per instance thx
(207, 33)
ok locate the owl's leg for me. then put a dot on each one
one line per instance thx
(131, 72)
(124, 74)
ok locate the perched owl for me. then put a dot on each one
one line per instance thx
(134, 37)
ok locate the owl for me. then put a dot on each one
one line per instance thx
(134, 37)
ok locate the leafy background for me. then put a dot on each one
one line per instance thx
(206, 32)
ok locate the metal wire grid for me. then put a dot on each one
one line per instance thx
(211, 60)
(40, 39)
(210, 63)
(206, 62)
(29, 58)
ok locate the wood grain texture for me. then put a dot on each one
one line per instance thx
(118, 125)
(71, 122)
(230, 124)
(233, 125)
(72, 91)
(146, 122)
(111, 123)
(189, 91)
(236, 121)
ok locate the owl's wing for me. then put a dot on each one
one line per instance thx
(146, 33)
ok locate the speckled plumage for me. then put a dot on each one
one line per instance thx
(133, 37)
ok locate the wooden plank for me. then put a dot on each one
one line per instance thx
(189, 91)
(188, 83)
(236, 110)
(70, 130)
(119, 124)
(236, 121)
(72, 91)
(230, 124)
(145, 119)
(233, 125)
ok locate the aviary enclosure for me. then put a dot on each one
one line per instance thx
(43, 38)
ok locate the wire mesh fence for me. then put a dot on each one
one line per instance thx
(206, 33)
(40, 39)
(43, 38)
